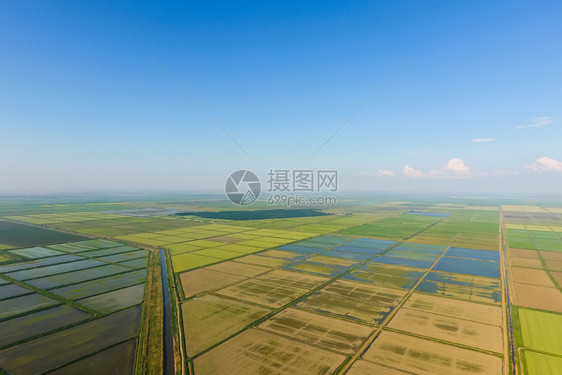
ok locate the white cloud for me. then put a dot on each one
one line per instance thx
(537, 122)
(483, 140)
(546, 164)
(455, 168)
(362, 174)
(413, 173)
(385, 173)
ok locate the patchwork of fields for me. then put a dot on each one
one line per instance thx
(72, 307)
(383, 290)
(346, 302)
(534, 240)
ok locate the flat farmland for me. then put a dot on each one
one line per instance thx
(256, 351)
(420, 356)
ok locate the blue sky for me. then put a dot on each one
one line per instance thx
(85, 108)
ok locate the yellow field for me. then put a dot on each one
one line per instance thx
(202, 280)
(460, 309)
(209, 319)
(260, 352)
(460, 331)
(334, 334)
(530, 276)
(421, 356)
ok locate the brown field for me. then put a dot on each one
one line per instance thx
(239, 269)
(260, 352)
(558, 277)
(526, 262)
(296, 279)
(538, 297)
(523, 253)
(530, 276)
(554, 265)
(422, 356)
(551, 255)
(355, 301)
(203, 280)
(460, 309)
(331, 333)
(362, 367)
(446, 328)
(209, 319)
(263, 293)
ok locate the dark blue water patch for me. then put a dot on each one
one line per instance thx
(461, 252)
(324, 269)
(419, 250)
(347, 254)
(300, 249)
(362, 250)
(469, 267)
(370, 242)
(403, 262)
(433, 214)
(317, 245)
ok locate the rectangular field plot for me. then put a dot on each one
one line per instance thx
(525, 262)
(541, 330)
(263, 293)
(135, 263)
(392, 228)
(468, 267)
(538, 363)
(54, 269)
(115, 360)
(354, 301)
(467, 287)
(115, 300)
(188, 261)
(356, 256)
(36, 252)
(538, 297)
(77, 276)
(240, 269)
(296, 279)
(109, 251)
(403, 262)
(316, 268)
(59, 348)
(21, 235)
(530, 276)
(30, 325)
(460, 252)
(477, 312)
(387, 279)
(124, 256)
(12, 290)
(19, 305)
(100, 286)
(422, 356)
(362, 367)
(209, 319)
(447, 328)
(70, 247)
(263, 261)
(260, 352)
(417, 251)
(203, 280)
(330, 333)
